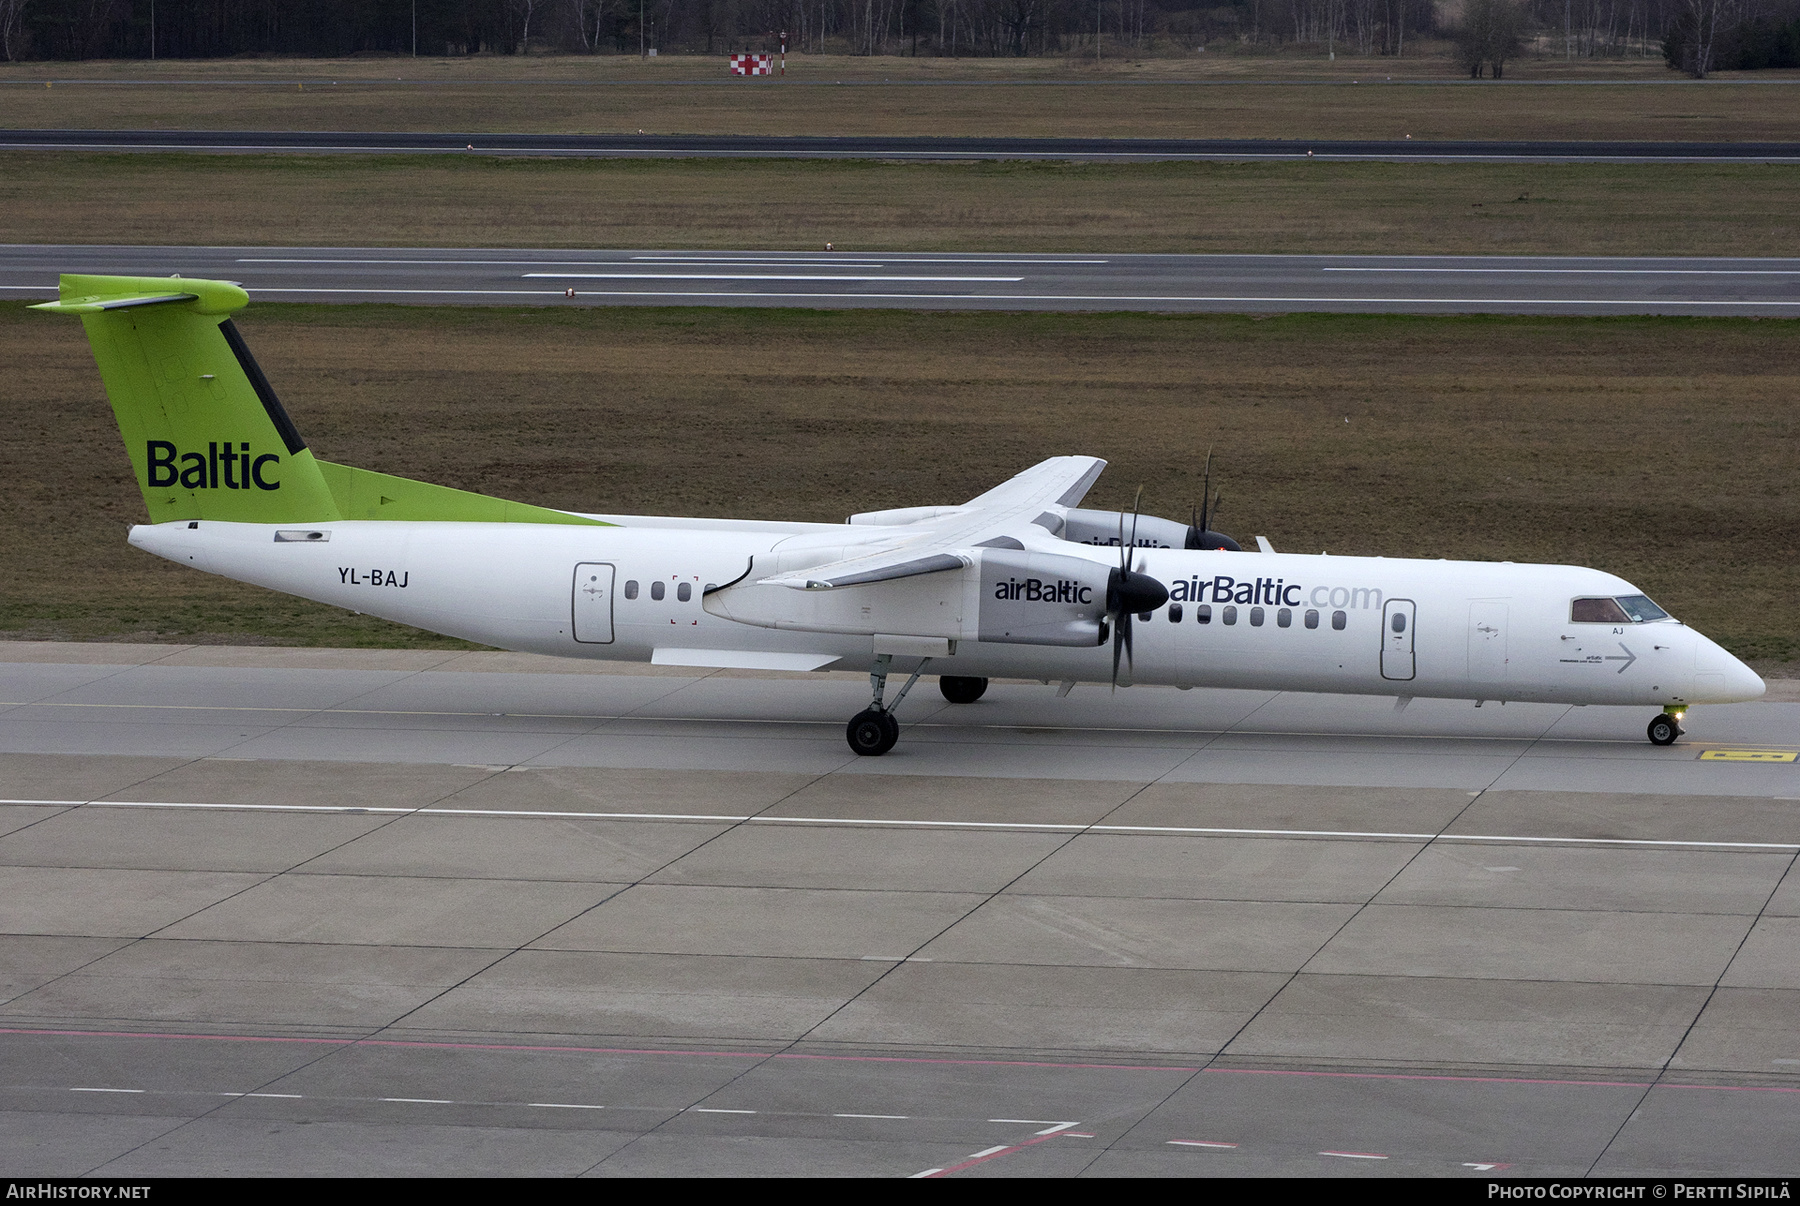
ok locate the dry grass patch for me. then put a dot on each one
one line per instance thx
(1663, 450)
(1198, 96)
(1334, 208)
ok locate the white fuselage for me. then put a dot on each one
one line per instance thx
(1469, 630)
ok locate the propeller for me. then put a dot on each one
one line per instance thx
(1129, 591)
(1200, 534)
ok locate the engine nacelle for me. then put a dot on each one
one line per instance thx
(1041, 598)
(1102, 527)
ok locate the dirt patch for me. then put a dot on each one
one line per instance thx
(1663, 450)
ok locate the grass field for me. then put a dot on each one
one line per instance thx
(1198, 96)
(1660, 449)
(1584, 209)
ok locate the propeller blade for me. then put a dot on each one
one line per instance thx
(1118, 635)
(1206, 489)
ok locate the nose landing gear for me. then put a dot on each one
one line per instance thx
(873, 731)
(1666, 728)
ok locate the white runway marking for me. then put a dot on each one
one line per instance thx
(883, 1117)
(1354, 1155)
(108, 1090)
(705, 1110)
(987, 1151)
(1199, 1143)
(419, 1100)
(561, 1105)
(1018, 826)
(856, 261)
(763, 276)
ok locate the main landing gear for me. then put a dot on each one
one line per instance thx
(959, 689)
(1667, 727)
(873, 731)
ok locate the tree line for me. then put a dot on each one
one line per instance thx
(1693, 35)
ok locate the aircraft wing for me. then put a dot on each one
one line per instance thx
(998, 518)
(1063, 480)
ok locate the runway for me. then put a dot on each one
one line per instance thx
(720, 146)
(999, 281)
(315, 911)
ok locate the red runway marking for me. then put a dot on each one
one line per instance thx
(992, 1153)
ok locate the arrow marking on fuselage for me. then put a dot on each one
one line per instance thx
(1629, 658)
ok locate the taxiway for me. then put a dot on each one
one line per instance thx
(313, 911)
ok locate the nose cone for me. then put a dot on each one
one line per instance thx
(1722, 678)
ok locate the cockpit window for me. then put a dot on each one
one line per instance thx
(1597, 611)
(1627, 609)
(1641, 609)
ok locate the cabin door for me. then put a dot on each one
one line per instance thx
(593, 603)
(1397, 640)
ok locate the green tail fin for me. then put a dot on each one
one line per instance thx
(208, 438)
(206, 435)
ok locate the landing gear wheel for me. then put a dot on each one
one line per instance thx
(872, 733)
(958, 689)
(1664, 730)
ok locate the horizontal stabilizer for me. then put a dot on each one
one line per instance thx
(96, 294)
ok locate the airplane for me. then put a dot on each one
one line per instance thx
(1018, 582)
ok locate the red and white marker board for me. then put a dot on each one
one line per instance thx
(753, 64)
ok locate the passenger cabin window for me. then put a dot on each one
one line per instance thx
(1284, 618)
(1256, 617)
(631, 589)
(1312, 619)
(1174, 613)
(684, 592)
(1203, 613)
(1338, 620)
(1597, 611)
(656, 591)
(1229, 615)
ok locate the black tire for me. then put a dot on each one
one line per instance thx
(1664, 730)
(872, 733)
(959, 689)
